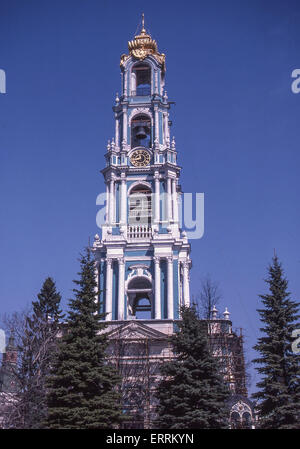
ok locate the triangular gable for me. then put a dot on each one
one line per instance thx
(135, 329)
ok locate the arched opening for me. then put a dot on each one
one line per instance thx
(235, 420)
(141, 80)
(141, 131)
(140, 207)
(140, 298)
(246, 420)
(143, 309)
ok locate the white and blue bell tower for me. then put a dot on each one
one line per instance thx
(143, 257)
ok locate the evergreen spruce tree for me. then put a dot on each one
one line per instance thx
(36, 352)
(279, 389)
(192, 393)
(47, 308)
(83, 387)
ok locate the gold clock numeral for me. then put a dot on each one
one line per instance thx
(140, 158)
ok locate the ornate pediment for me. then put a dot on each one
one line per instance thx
(135, 330)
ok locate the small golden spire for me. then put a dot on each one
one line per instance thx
(143, 31)
(143, 45)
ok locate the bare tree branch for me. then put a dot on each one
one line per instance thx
(208, 297)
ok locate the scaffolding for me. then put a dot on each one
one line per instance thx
(138, 362)
(138, 359)
(228, 347)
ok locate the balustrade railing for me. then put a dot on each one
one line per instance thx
(139, 232)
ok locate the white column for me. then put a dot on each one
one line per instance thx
(157, 305)
(133, 83)
(111, 201)
(156, 127)
(121, 288)
(156, 198)
(169, 201)
(166, 129)
(108, 290)
(124, 137)
(107, 204)
(125, 83)
(123, 201)
(156, 81)
(117, 131)
(186, 284)
(175, 201)
(170, 288)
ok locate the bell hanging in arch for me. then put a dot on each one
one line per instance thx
(141, 133)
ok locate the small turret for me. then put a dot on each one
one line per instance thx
(226, 314)
(7, 370)
(214, 313)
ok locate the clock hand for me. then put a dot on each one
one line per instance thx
(136, 157)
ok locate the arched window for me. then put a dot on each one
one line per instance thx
(140, 298)
(141, 131)
(141, 80)
(235, 420)
(140, 207)
(246, 420)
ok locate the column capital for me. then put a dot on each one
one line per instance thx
(156, 259)
(109, 261)
(169, 259)
(121, 260)
(186, 263)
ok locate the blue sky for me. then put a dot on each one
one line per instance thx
(236, 124)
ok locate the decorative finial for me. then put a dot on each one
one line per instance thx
(173, 143)
(226, 314)
(117, 98)
(143, 23)
(214, 313)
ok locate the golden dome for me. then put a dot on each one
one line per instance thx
(142, 46)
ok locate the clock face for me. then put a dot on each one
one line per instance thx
(140, 158)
